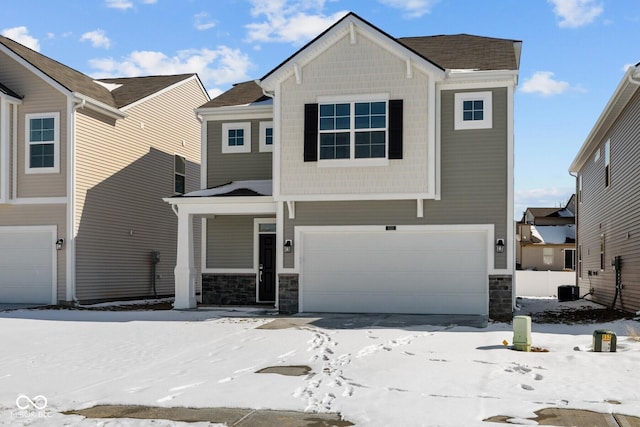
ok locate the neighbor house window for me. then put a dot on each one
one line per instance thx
(236, 137)
(180, 174)
(473, 110)
(602, 252)
(353, 131)
(266, 136)
(580, 188)
(607, 168)
(580, 261)
(547, 256)
(42, 143)
(570, 259)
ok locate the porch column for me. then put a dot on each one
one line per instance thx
(185, 273)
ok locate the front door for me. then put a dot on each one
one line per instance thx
(267, 268)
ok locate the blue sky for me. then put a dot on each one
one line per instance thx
(574, 53)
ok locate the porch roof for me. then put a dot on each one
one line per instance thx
(236, 188)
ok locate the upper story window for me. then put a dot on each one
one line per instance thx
(179, 174)
(236, 137)
(266, 136)
(473, 110)
(359, 132)
(607, 166)
(42, 143)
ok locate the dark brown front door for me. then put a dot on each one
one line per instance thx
(267, 268)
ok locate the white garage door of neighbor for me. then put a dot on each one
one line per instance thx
(435, 272)
(26, 265)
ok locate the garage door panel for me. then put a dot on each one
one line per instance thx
(395, 272)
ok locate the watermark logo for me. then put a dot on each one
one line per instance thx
(31, 407)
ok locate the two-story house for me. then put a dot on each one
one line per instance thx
(607, 183)
(364, 173)
(546, 238)
(84, 165)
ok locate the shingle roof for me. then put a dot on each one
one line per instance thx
(136, 88)
(133, 89)
(240, 94)
(8, 91)
(465, 51)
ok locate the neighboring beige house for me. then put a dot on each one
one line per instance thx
(546, 239)
(84, 165)
(365, 173)
(607, 170)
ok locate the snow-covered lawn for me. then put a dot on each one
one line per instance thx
(413, 376)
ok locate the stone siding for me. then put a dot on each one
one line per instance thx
(228, 289)
(288, 293)
(501, 297)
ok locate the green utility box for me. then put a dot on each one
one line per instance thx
(604, 341)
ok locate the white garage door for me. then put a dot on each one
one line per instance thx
(438, 272)
(27, 264)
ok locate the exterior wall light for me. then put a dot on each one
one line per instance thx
(288, 244)
(59, 244)
(500, 246)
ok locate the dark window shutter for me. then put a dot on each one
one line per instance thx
(311, 132)
(395, 128)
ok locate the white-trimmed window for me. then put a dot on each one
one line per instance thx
(236, 137)
(607, 166)
(266, 136)
(547, 256)
(42, 145)
(179, 174)
(473, 110)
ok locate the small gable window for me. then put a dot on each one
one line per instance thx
(236, 137)
(180, 174)
(473, 110)
(43, 143)
(266, 136)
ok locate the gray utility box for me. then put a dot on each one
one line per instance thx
(604, 341)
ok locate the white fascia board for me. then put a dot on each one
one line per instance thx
(347, 197)
(224, 206)
(478, 81)
(161, 91)
(10, 99)
(621, 96)
(344, 29)
(237, 112)
(39, 201)
(98, 106)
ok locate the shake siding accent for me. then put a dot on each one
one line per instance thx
(31, 215)
(123, 170)
(346, 69)
(474, 185)
(230, 241)
(39, 97)
(223, 168)
(614, 212)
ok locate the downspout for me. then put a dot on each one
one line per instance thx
(71, 201)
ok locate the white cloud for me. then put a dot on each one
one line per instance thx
(541, 198)
(98, 38)
(215, 67)
(576, 13)
(289, 21)
(203, 22)
(21, 35)
(412, 8)
(542, 82)
(119, 4)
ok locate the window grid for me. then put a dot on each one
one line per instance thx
(236, 137)
(268, 136)
(473, 110)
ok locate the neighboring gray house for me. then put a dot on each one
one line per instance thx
(607, 168)
(84, 165)
(546, 239)
(363, 174)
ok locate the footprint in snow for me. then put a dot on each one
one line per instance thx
(527, 387)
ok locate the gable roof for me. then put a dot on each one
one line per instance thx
(133, 88)
(240, 94)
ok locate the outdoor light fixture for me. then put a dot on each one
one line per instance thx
(59, 244)
(287, 246)
(500, 246)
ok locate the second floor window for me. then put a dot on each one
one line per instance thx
(473, 110)
(42, 135)
(180, 174)
(236, 137)
(266, 136)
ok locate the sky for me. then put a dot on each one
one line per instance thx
(374, 371)
(574, 53)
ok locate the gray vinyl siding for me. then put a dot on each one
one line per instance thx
(474, 185)
(39, 97)
(225, 167)
(614, 212)
(230, 241)
(34, 215)
(124, 169)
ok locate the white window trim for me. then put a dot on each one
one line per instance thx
(246, 148)
(352, 161)
(486, 123)
(548, 256)
(56, 143)
(175, 172)
(264, 148)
